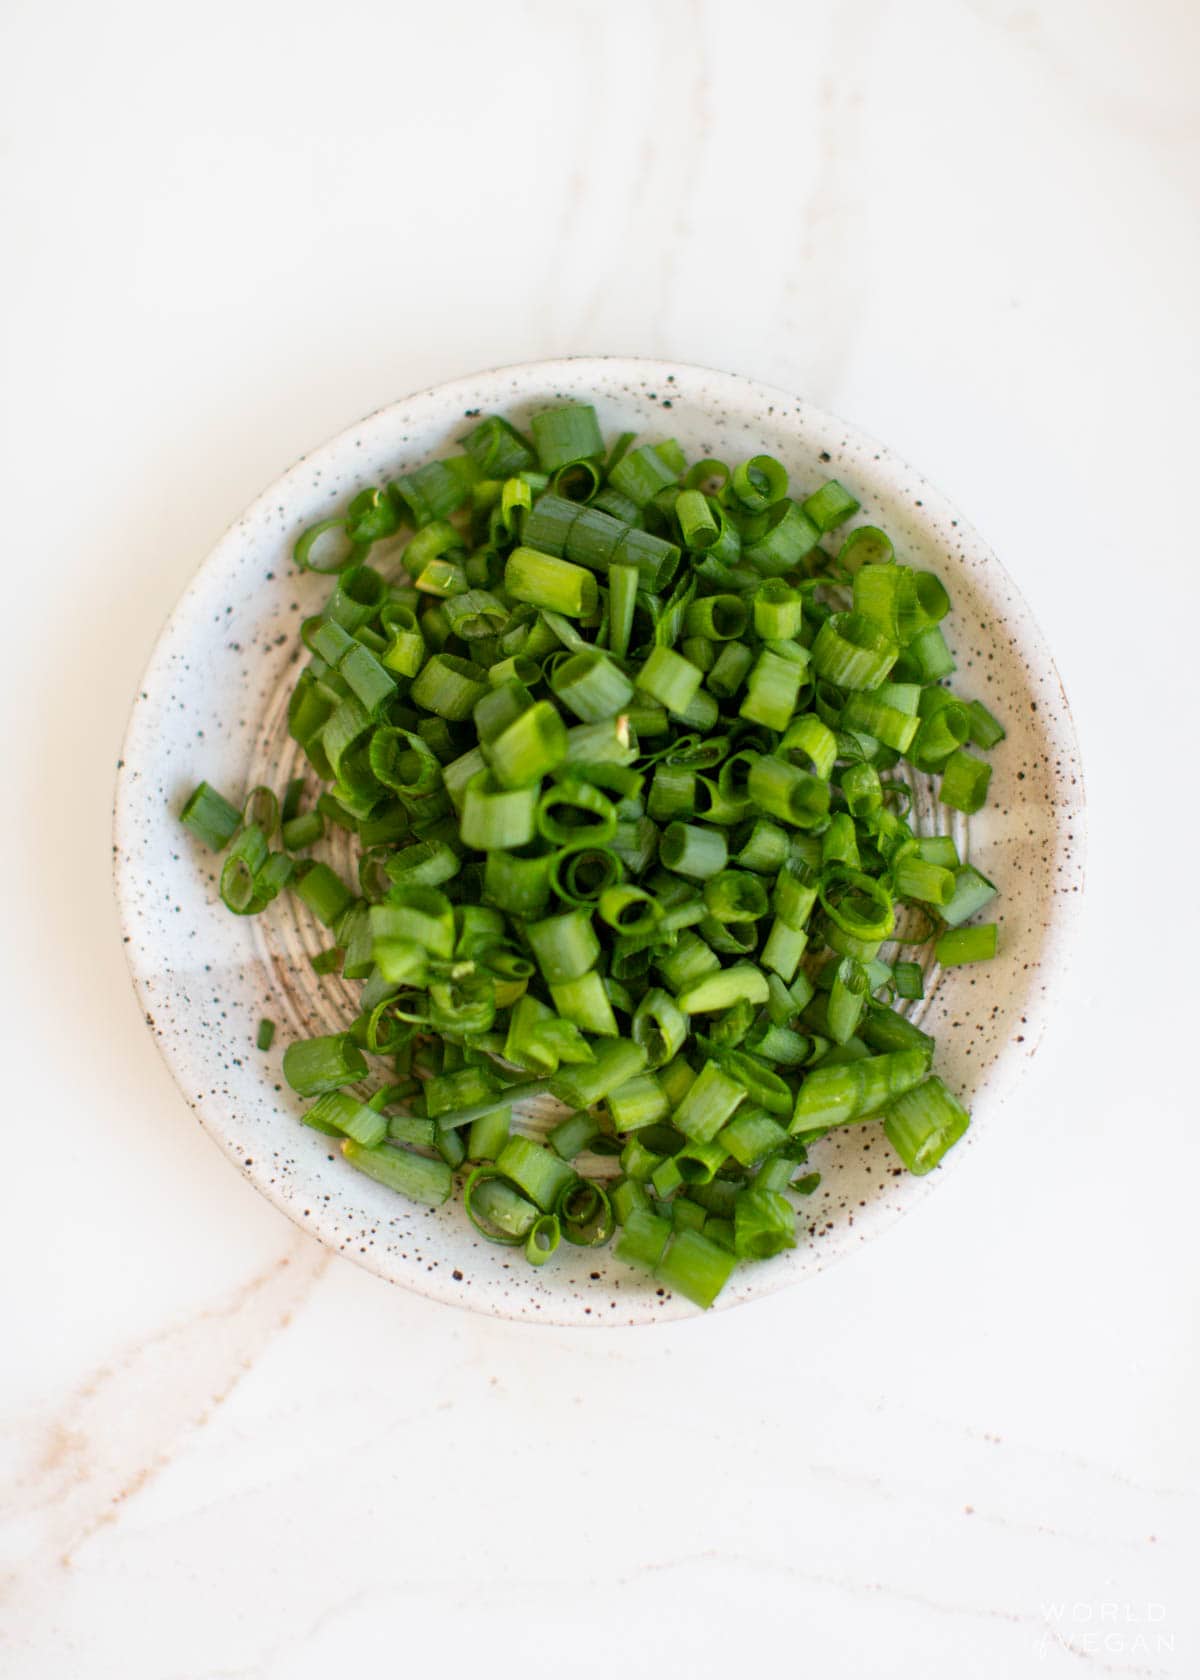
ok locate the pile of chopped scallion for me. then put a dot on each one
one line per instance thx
(617, 749)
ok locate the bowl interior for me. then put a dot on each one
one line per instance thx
(212, 704)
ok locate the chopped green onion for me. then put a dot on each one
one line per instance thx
(414, 1176)
(838, 1095)
(565, 435)
(449, 687)
(965, 781)
(971, 892)
(986, 730)
(670, 679)
(852, 652)
(497, 818)
(626, 837)
(211, 817)
(697, 519)
(923, 1123)
(764, 1223)
(966, 945)
(691, 850)
(641, 474)
(591, 686)
(497, 448)
(760, 482)
(313, 1066)
(695, 1267)
(830, 506)
(554, 585)
(781, 541)
(615, 1063)
(643, 1240)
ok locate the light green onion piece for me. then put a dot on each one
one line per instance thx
(414, 1176)
(836, 1096)
(923, 1123)
(670, 679)
(695, 1267)
(554, 585)
(966, 945)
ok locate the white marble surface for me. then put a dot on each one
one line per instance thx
(969, 1450)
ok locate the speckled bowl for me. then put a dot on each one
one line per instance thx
(212, 705)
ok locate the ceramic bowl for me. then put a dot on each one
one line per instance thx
(212, 705)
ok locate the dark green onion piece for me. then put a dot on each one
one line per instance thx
(519, 885)
(313, 554)
(575, 812)
(735, 896)
(583, 875)
(324, 892)
(210, 817)
(729, 672)
(312, 1066)
(641, 474)
(585, 1213)
(497, 448)
(300, 832)
(565, 435)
